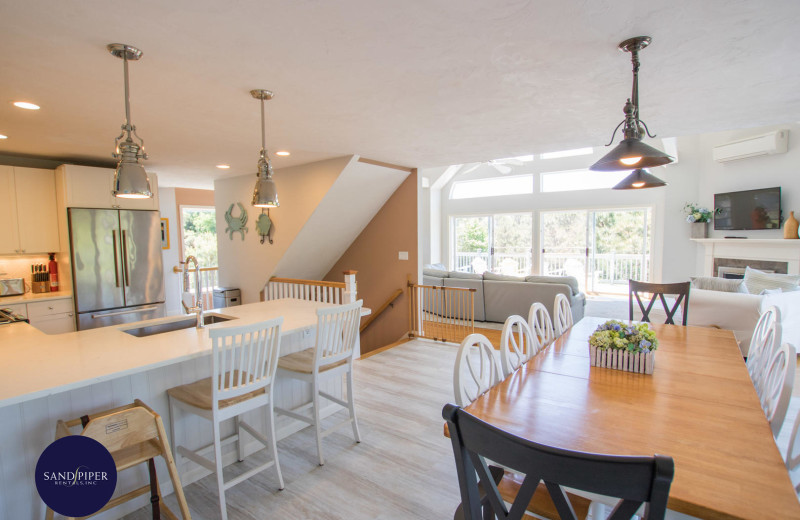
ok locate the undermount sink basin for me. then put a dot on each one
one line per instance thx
(170, 326)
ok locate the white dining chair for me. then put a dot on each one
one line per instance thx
(777, 386)
(243, 363)
(517, 344)
(765, 341)
(331, 357)
(476, 369)
(562, 320)
(793, 455)
(540, 324)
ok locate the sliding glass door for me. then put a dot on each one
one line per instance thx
(497, 243)
(601, 248)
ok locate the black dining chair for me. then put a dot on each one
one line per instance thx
(658, 291)
(634, 481)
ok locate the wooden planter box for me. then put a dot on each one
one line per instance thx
(642, 363)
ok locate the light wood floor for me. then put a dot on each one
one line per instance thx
(402, 469)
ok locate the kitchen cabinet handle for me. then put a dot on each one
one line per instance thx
(120, 313)
(116, 264)
(125, 257)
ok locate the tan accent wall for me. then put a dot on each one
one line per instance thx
(374, 254)
(188, 197)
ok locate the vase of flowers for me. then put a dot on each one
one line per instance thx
(699, 217)
(623, 346)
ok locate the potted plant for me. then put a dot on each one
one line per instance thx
(699, 217)
(623, 346)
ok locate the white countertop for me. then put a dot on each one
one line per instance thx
(34, 364)
(38, 297)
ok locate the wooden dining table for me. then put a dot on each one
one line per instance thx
(699, 407)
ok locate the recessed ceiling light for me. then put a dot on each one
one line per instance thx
(223, 166)
(26, 105)
(283, 152)
(3, 136)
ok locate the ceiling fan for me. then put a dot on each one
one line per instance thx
(501, 165)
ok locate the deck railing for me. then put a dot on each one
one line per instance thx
(441, 313)
(209, 278)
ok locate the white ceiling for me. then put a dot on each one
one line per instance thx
(418, 82)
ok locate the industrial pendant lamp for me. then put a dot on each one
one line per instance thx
(638, 179)
(130, 179)
(265, 194)
(631, 152)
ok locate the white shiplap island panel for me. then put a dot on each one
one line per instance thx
(44, 378)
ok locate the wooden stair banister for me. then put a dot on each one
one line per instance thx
(380, 310)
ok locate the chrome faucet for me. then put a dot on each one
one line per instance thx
(198, 299)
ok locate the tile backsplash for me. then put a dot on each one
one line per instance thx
(19, 266)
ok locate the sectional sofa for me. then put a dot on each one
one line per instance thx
(499, 296)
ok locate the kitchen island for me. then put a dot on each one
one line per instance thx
(44, 378)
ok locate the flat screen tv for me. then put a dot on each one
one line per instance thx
(751, 209)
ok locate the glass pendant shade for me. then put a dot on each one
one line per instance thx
(131, 181)
(631, 152)
(639, 179)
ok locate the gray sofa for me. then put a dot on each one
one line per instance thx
(499, 296)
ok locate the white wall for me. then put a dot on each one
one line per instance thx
(694, 178)
(248, 264)
(166, 203)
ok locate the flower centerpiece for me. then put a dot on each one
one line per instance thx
(623, 346)
(699, 217)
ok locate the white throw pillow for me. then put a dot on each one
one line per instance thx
(714, 283)
(756, 281)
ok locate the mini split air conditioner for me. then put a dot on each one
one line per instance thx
(765, 144)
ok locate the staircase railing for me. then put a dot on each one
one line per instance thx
(379, 311)
(312, 290)
(441, 313)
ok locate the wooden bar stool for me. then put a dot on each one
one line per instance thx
(141, 440)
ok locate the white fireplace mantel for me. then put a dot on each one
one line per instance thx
(776, 250)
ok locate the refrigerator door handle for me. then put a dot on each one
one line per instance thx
(116, 263)
(125, 257)
(120, 313)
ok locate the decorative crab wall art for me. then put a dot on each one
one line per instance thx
(264, 226)
(236, 224)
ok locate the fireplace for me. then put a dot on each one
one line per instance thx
(735, 267)
(775, 255)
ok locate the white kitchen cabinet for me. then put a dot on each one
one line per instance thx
(28, 211)
(52, 316)
(89, 187)
(16, 308)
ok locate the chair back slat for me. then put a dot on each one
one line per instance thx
(476, 369)
(658, 291)
(517, 344)
(777, 386)
(766, 339)
(337, 331)
(563, 315)
(634, 481)
(540, 324)
(244, 358)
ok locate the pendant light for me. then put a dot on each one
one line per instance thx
(631, 152)
(265, 194)
(639, 179)
(130, 179)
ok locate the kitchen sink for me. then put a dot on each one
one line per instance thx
(170, 326)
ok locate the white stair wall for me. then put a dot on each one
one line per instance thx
(358, 193)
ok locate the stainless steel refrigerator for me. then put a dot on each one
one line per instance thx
(117, 271)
